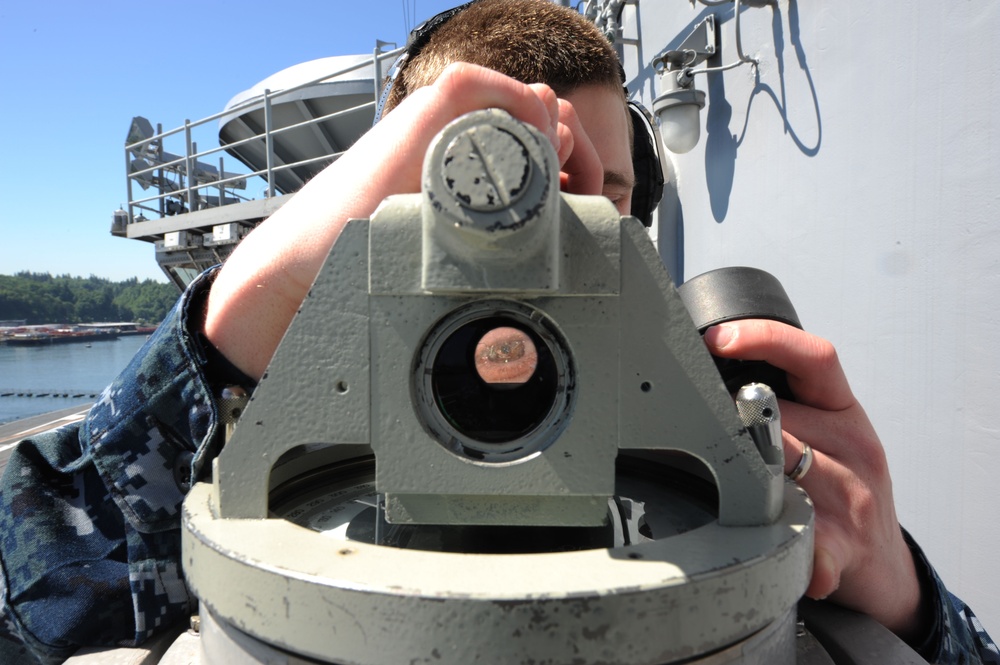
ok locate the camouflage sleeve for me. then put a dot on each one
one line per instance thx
(957, 636)
(90, 513)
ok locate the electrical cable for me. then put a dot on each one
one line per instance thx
(739, 37)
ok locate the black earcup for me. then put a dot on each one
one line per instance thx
(646, 163)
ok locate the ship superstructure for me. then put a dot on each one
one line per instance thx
(195, 201)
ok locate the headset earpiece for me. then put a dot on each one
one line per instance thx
(646, 155)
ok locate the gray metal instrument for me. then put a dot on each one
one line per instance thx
(493, 434)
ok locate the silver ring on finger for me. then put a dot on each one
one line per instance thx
(805, 463)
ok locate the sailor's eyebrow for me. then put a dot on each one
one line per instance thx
(618, 179)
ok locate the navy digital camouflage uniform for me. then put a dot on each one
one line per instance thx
(90, 513)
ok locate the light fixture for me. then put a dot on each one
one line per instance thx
(677, 111)
(677, 108)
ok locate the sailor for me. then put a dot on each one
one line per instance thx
(89, 513)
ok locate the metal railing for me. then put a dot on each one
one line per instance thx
(183, 183)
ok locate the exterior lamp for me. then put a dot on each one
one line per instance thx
(677, 108)
(678, 111)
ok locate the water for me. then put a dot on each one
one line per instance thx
(74, 369)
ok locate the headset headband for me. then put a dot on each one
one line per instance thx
(415, 42)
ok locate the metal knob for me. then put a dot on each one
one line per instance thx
(758, 408)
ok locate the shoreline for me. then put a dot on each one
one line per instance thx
(46, 335)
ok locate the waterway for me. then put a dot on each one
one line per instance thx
(78, 371)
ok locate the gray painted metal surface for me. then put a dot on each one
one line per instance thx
(860, 170)
(651, 603)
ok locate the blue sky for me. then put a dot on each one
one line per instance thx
(75, 73)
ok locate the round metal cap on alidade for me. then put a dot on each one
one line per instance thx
(490, 207)
(489, 178)
(483, 179)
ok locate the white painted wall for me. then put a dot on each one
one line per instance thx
(863, 170)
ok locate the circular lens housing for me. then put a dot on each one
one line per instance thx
(494, 382)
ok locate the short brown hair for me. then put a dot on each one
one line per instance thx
(533, 41)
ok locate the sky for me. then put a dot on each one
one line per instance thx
(75, 73)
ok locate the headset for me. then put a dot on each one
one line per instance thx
(647, 149)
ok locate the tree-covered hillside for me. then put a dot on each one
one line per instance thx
(42, 298)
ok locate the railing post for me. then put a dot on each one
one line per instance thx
(193, 180)
(128, 183)
(188, 165)
(269, 146)
(222, 186)
(160, 174)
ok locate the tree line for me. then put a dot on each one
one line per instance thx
(42, 298)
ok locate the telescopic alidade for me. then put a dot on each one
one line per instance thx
(493, 434)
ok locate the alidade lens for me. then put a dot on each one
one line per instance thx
(491, 410)
(494, 382)
(506, 356)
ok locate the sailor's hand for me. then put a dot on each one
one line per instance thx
(861, 560)
(264, 282)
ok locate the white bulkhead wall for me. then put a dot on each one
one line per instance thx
(861, 166)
